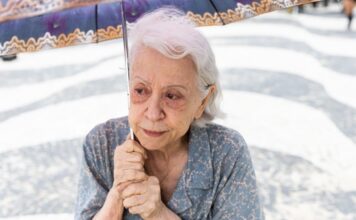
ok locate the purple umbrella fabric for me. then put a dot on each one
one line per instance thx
(32, 25)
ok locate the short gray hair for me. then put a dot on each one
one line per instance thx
(170, 32)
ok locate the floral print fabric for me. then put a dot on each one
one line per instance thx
(218, 181)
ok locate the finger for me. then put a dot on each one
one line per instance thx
(127, 146)
(137, 209)
(125, 157)
(153, 180)
(123, 186)
(133, 146)
(135, 200)
(127, 165)
(130, 147)
(145, 210)
(138, 148)
(130, 157)
(119, 187)
(134, 189)
(130, 175)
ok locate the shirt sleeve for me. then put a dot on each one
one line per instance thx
(93, 185)
(238, 199)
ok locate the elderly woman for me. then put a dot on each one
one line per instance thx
(181, 166)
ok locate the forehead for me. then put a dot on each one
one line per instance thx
(153, 66)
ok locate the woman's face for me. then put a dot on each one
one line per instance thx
(164, 99)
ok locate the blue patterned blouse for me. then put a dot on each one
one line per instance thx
(218, 181)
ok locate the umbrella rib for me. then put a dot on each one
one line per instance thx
(217, 11)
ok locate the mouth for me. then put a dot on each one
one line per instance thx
(153, 133)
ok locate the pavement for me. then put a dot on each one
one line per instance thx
(289, 85)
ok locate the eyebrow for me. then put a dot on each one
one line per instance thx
(169, 86)
(141, 79)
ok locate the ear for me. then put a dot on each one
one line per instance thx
(205, 102)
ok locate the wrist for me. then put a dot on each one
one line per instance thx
(163, 214)
(113, 207)
(115, 195)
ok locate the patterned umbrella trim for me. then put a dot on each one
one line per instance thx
(15, 9)
(244, 11)
(16, 45)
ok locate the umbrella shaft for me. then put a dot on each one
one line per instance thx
(126, 54)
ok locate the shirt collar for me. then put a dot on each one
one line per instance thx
(198, 173)
(200, 165)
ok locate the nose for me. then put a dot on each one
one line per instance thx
(154, 111)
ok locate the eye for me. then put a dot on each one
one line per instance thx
(174, 99)
(139, 94)
(139, 91)
(172, 96)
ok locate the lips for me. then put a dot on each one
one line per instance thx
(153, 133)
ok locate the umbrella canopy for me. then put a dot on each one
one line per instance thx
(32, 25)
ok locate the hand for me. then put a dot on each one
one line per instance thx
(144, 198)
(128, 168)
(129, 159)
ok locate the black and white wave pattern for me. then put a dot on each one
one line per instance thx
(289, 86)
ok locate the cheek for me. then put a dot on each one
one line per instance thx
(131, 120)
(180, 118)
(177, 105)
(138, 99)
(134, 115)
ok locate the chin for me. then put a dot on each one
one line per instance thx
(151, 141)
(150, 144)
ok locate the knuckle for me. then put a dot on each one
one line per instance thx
(118, 176)
(142, 158)
(134, 175)
(157, 190)
(140, 199)
(129, 192)
(139, 157)
(134, 166)
(125, 192)
(123, 175)
(124, 146)
(129, 144)
(134, 157)
(145, 215)
(153, 179)
(130, 174)
(118, 150)
(126, 202)
(140, 175)
(137, 175)
(132, 210)
(138, 166)
(151, 207)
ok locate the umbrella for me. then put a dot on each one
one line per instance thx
(32, 25)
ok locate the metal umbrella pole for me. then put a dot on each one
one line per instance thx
(126, 54)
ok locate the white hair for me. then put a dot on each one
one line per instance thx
(170, 32)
